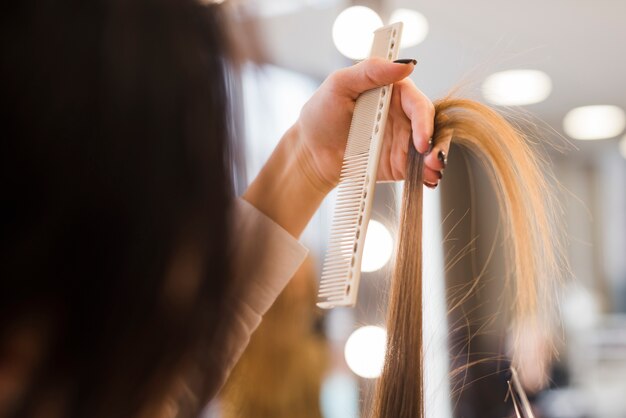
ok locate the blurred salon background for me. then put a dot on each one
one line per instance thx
(557, 69)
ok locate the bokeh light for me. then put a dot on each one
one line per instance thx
(415, 28)
(594, 122)
(353, 31)
(517, 87)
(378, 247)
(365, 351)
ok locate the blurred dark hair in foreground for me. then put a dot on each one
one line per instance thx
(116, 191)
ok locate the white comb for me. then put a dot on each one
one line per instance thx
(342, 266)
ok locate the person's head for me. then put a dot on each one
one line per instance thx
(115, 183)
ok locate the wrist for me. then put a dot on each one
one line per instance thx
(306, 165)
(287, 189)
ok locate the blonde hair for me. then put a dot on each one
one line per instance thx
(527, 208)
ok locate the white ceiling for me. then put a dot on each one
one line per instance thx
(581, 44)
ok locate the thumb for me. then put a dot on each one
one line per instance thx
(369, 74)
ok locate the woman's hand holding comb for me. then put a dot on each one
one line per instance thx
(325, 121)
(306, 164)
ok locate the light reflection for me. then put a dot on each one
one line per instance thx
(415, 27)
(378, 247)
(365, 351)
(594, 122)
(517, 87)
(353, 31)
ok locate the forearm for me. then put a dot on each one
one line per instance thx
(286, 190)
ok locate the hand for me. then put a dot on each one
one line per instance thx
(324, 124)
(306, 164)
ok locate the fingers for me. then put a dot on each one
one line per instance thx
(395, 146)
(436, 160)
(410, 123)
(411, 115)
(399, 151)
(431, 177)
(400, 140)
(368, 74)
(420, 110)
(384, 166)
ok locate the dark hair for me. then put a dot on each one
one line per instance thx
(116, 191)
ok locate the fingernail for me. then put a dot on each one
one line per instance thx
(430, 146)
(440, 174)
(406, 61)
(441, 156)
(430, 185)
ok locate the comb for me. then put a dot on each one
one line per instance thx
(342, 265)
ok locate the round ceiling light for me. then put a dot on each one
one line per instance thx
(517, 87)
(353, 31)
(415, 26)
(622, 146)
(594, 122)
(365, 351)
(378, 247)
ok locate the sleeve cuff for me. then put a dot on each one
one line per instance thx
(266, 256)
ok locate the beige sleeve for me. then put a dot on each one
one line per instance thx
(266, 257)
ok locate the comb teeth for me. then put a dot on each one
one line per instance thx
(342, 265)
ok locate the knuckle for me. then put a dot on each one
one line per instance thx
(369, 74)
(334, 79)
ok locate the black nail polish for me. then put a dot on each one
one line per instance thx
(442, 157)
(406, 61)
(430, 147)
(430, 185)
